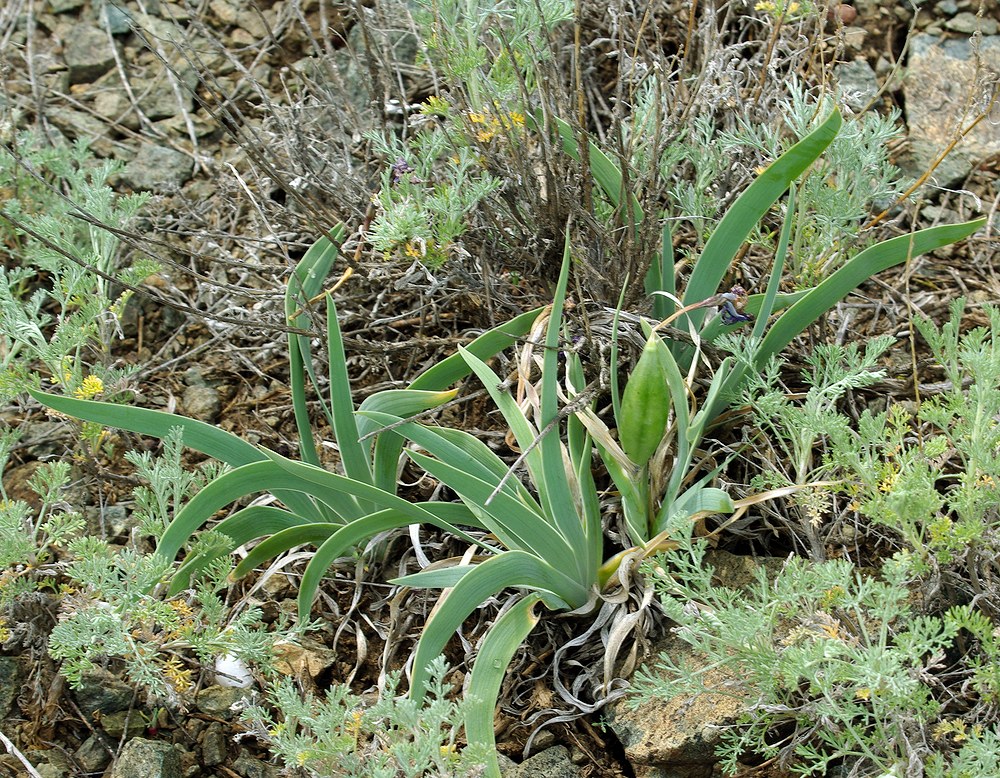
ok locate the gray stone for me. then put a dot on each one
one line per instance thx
(143, 758)
(218, 700)
(157, 98)
(108, 521)
(552, 763)
(253, 22)
(202, 402)
(248, 767)
(115, 18)
(968, 23)
(95, 754)
(124, 722)
(51, 763)
(115, 106)
(62, 6)
(857, 82)
(101, 692)
(158, 169)
(88, 55)
(677, 737)
(214, 745)
(10, 684)
(939, 80)
(351, 63)
(153, 27)
(80, 124)
(225, 11)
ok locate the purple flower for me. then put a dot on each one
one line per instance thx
(399, 169)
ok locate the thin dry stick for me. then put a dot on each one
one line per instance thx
(12, 749)
(768, 55)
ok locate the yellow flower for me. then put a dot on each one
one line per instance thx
(89, 388)
(516, 118)
(888, 483)
(178, 676)
(477, 118)
(434, 104)
(864, 693)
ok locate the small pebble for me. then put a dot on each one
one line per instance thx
(844, 14)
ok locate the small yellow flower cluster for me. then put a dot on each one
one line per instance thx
(435, 105)
(177, 675)
(832, 597)
(941, 530)
(955, 730)
(302, 757)
(90, 387)
(186, 620)
(487, 125)
(775, 8)
(888, 483)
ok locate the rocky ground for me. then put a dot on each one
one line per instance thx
(221, 111)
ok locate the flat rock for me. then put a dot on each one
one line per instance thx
(103, 693)
(88, 55)
(218, 701)
(552, 763)
(677, 738)
(157, 169)
(95, 753)
(202, 402)
(143, 758)
(940, 77)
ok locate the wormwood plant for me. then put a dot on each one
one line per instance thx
(430, 185)
(112, 610)
(435, 177)
(64, 325)
(30, 538)
(345, 736)
(930, 475)
(836, 667)
(109, 615)
(794, 434)
(844, 667)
